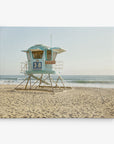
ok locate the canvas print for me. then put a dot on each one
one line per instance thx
(56, 72)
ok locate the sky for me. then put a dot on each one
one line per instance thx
(89, 50)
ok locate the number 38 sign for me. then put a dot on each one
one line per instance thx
(37, 65)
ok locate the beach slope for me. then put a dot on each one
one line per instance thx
(73, 103)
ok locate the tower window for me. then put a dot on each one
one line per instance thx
(37, 54)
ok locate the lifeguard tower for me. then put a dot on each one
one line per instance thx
(39, 68)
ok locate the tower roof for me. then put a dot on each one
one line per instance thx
(41, 47)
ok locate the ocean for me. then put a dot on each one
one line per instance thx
(100, 81)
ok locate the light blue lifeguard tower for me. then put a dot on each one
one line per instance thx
(41, 58)
(40, 61)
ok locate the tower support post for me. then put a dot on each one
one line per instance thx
(27, 82)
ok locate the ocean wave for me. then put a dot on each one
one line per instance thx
(8, 78)
(101, 82)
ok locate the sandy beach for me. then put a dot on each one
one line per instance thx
(72, 103)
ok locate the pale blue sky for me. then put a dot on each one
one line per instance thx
(89, 50)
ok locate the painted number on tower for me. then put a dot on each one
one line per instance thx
(37, 65)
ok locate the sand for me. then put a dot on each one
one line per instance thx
(72, 103)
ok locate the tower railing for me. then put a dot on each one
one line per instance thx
(24, 67)
(58, 67)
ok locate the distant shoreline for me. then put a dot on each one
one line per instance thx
(76, 85)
